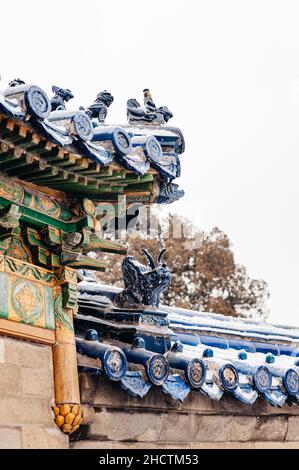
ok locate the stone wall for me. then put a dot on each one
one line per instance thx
(157, 421)
(26, 396)
(118, 420)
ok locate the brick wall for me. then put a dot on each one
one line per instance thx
(157, 421)
(26, 395)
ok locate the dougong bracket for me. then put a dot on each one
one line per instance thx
(9, 221)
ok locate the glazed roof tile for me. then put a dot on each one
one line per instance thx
(207, 353)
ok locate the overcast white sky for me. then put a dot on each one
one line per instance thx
(228, 70)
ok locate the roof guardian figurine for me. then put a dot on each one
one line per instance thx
(98, 110)
(144, 284)
(61, 96)
(149, 113)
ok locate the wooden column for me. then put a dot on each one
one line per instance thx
(67, 410)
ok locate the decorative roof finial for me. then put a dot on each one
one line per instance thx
(61, 96)
(16, 82)
(143, 284)
(99, 108)
(149, 104)
(149, 113)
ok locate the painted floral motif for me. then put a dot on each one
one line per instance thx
(27, 301)
(262, 379)
(291, 382)
(12, 191)
(28, 270)
(114, 361)
(195, 372)
(46, 204)
(16, 249)
(229, 376)
(157, 369)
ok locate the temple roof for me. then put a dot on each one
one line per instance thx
(77, 153)
(180, 350)
(64, 171)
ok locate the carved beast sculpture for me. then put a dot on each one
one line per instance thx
(61, 96)
(149, 113)
(98, 110)
(143, 284)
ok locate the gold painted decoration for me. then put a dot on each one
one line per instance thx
(229, 375)
(16, 248)
(88, 206)
(27, 301)
(68, 417)
(27, 293)
(30, 302)
(47, 205)
(63, 316)
(11, 190)
(28, 270)
(15, 192)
